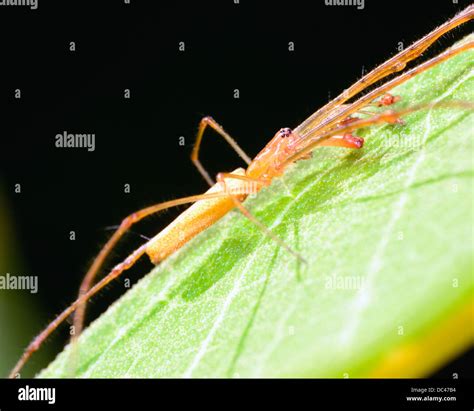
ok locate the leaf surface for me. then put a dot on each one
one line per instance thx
(387, 232)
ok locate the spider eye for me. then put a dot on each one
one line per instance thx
(285, 132)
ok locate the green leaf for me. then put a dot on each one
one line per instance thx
(388, 287)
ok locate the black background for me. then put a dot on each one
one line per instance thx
(135, 46)
(262, 394)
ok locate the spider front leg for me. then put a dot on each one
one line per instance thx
(209, 121)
